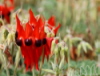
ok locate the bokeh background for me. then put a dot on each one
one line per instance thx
(78, 15)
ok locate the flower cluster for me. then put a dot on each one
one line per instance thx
(33, 39)
(5, 11)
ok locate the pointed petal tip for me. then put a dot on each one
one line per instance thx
(52, 17)
(59, 25)
(57, 28)
(30, 10)
(17, 19)
(32, 18)
(51, 21)
(40, 23)
(16, 16)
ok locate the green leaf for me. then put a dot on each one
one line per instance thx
(62, 51)
(66, 49)
(6, 33)
(17, 59)
(89, 46)
(53, 65)
(75, 39)
(56, 50)
(84, 46)
(79, 49)
(53, 45)
(61, 62)
(49, 71)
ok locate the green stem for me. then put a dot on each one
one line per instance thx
(40, 68)
(57, 74)
(69, 48)
(17, 59)
(7, 71)
(33, 74)
(55, 61)
(41, 64)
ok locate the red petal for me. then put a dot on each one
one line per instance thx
(47, 51)
(36, 59)
(11, 4)
(30, 51)
(38, 53)
(12, 1)
(36, 32)
(40, 22)
(32, 19)
(42, 33)
(56, 29)
(11, 8)
(41, 28)
(7, 19)
(28, 30)
(18, 23)
(51, 21)
(47, 48)
(19, 28)
(26, 58)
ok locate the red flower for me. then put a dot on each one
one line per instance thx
(5, 11)
(40, 38)
(33, 41)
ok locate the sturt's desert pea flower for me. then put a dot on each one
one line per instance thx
(33, 40)
(5, 11)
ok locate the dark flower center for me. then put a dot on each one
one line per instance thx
(44, 41)
(28, 42)
(9, 13)
(19, 42)
(38, 43)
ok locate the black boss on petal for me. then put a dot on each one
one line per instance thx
(44, 41)
(28, 42)
(19, 42)
(9, 13)
(38, 43)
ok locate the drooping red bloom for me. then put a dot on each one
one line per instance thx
(33, 41)
(5, 11)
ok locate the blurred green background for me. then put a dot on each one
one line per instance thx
(81, 16)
